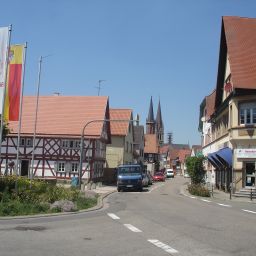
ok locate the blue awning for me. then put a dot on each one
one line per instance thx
(225, 156)
(215, 161)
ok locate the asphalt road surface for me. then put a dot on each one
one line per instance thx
(158, 221)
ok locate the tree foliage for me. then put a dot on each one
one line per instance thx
(5, 131)
(195, 169)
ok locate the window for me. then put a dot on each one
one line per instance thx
(64, 143)
(61, 167)
(22, 142)
(248, 113)
(74, 167)
(29, 142)
(77, 143)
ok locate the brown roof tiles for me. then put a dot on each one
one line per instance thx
(151, 144)
(63, 115)
(241, 47)
(120, 128)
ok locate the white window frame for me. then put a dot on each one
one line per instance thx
(74, 167)
(28, 142)
(61, 167)
(22, 142)
(65, 143)
(247, 114)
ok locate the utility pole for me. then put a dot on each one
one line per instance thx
(99, 86)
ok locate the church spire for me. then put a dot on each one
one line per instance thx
(159, 125)
(150, 123)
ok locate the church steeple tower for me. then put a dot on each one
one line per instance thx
(159, 125)
(150, 123)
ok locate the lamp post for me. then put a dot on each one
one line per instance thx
(82, 142)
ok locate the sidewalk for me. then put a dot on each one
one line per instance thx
(220, 195)
(103, 190)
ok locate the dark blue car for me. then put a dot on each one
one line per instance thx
(129, 177)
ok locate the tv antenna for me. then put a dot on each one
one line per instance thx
(99, 86)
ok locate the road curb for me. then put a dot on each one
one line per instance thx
(98, 206)
(182, 192)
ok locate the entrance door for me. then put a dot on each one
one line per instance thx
(250, 174)
(24, 167)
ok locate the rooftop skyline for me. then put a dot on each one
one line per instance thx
(167, 49)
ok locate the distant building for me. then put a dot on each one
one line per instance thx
(138, 144)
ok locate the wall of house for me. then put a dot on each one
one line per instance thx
(49, 152)
(128, 151)
(115, 152)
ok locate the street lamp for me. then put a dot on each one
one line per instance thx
(82, 142)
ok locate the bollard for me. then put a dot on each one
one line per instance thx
(212, 190)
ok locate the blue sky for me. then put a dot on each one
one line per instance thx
(167, 49)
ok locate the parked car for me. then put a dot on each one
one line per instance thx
(169, 173)
(159, 176)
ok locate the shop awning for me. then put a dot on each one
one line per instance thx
(225, 156)
(215, 161)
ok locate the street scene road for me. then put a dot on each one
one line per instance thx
(161, 220)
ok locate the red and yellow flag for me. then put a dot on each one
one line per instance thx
(13, 89)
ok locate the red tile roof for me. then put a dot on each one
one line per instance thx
(210, 104)
(164, 149)
(63, 115)
(120, 128)
(241, 47)
(151, 144)
(183, 154)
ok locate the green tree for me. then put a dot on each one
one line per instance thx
(195, 169)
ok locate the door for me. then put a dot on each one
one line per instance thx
(24, 167)
(250, 174)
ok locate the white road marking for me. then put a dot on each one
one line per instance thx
(208, 201)
(225, 205)
(248, 211)
(113, 216)
(132, 228)
(193, 197)
(163, 246)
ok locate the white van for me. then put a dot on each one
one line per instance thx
(169, 173)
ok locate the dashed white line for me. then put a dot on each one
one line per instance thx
(248, 211)
(132, 228)
(163, 246)
(113, 216)
(207, 201)
(225, 205)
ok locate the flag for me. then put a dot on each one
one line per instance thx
(14, 81)
(4, 34)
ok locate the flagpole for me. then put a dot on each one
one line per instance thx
(34, 137)
(4, 92)
(17, 169)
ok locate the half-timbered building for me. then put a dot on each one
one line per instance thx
(59, 126)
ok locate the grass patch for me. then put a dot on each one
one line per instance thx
(85, 203)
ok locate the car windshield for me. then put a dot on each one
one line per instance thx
(159, 174)
(133, 170)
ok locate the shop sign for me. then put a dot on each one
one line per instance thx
(245, 153)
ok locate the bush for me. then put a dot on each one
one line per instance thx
(33, 197)
(198, 190)
(195, 169)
